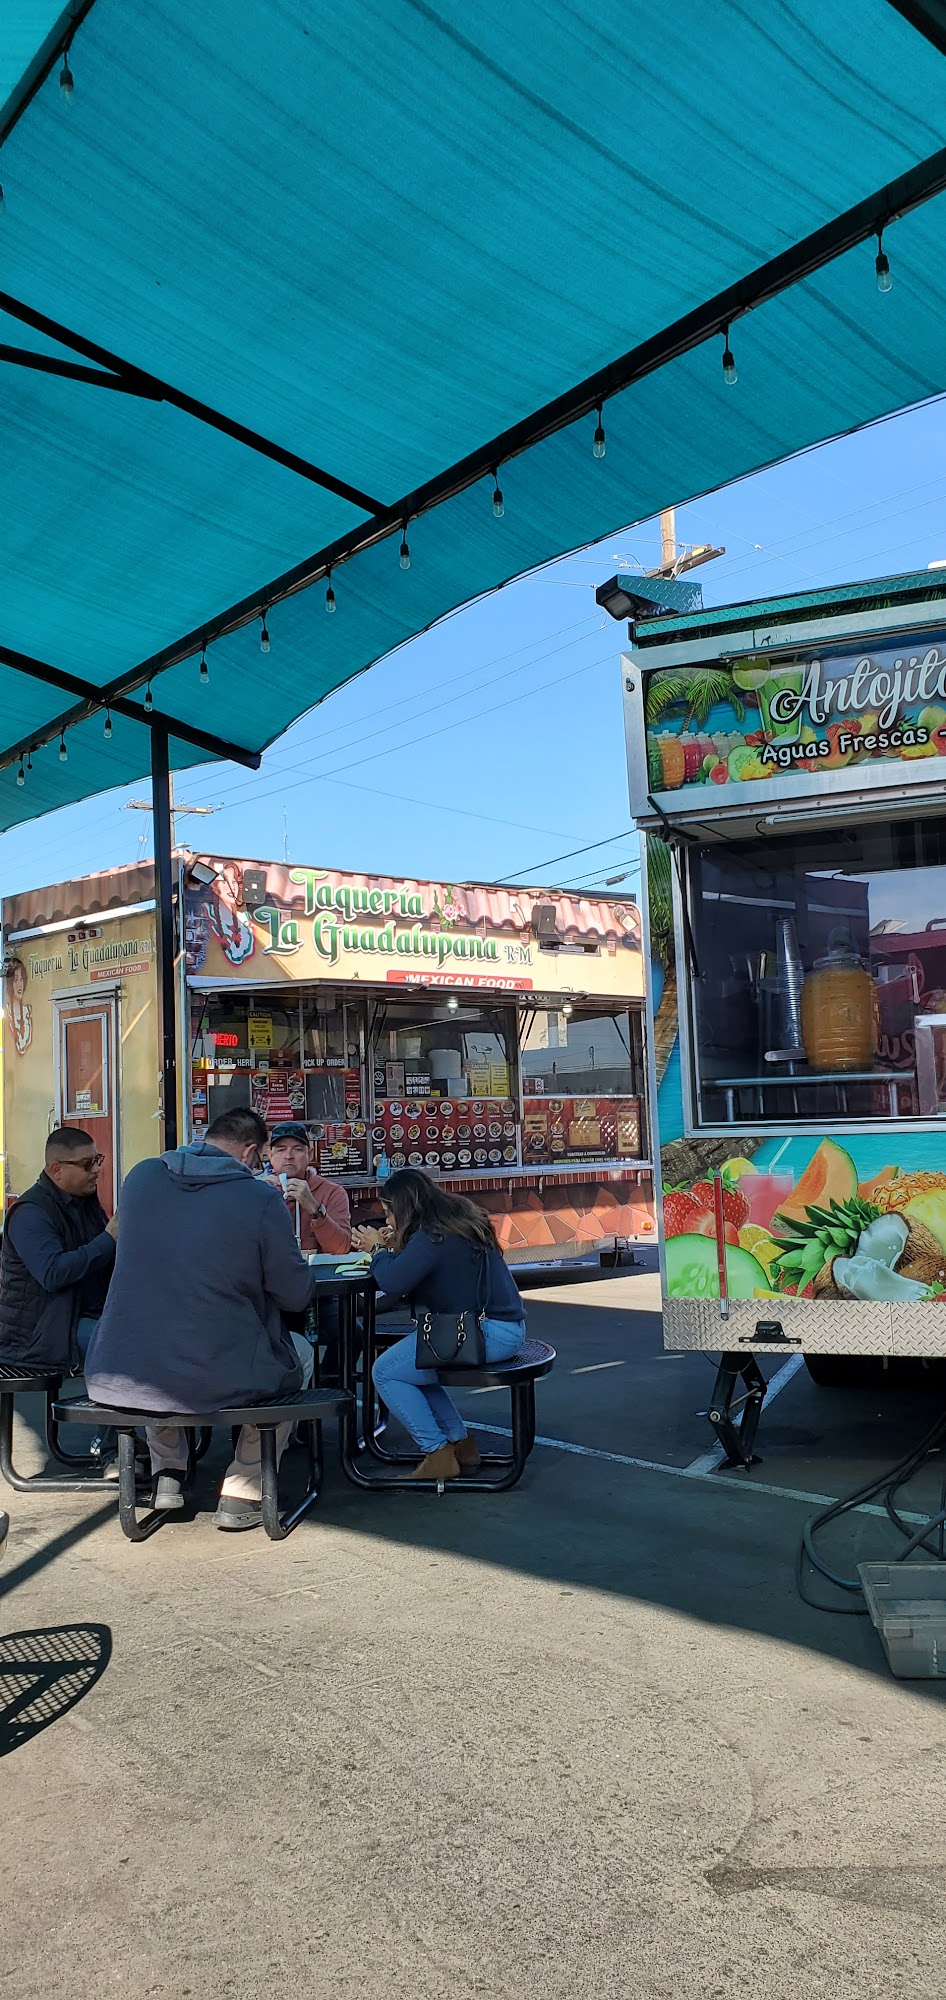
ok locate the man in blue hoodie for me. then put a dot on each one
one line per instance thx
(207, 1264)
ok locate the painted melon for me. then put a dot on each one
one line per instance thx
(829, 1176)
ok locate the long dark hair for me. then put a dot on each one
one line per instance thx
(415, 1202)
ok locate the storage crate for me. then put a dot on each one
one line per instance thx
(907, 1602)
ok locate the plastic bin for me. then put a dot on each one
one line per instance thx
(907, 1602)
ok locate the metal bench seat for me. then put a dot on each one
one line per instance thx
(369, 1462)
(15, 1380)
(307, 1409)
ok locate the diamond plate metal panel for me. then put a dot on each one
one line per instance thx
(920, 1330)
(824, 1326)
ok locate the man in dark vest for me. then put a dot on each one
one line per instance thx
(58, 1252)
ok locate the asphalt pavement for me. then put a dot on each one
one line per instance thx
(582, 1738)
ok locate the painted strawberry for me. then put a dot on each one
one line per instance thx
(706, 1226)
(681, 1213)
(735, 1205)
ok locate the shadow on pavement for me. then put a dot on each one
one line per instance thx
(43, 1674)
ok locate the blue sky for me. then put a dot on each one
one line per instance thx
(492, 745)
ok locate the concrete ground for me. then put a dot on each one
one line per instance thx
(582, 1739)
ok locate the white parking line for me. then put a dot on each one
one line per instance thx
(708, 1459)
(595, 1367)
(739, 1482)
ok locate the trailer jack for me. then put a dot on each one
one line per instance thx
(735, 1417)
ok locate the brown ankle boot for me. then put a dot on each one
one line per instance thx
(439, 1464)
(467, 1453)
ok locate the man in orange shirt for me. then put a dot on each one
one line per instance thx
(324, 1213)
(321, 1211)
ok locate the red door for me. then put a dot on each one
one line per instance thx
(86, 1083)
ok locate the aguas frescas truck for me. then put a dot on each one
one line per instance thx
(787, 766)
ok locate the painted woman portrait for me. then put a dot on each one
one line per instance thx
(228, 919)
(19, 1011)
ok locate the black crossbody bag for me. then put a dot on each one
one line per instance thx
(453, 1339)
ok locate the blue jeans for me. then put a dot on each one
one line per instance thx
(421, 1403)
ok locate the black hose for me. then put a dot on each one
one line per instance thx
(886, 1483)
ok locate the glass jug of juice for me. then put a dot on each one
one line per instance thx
(673, 760)
(838, 1009)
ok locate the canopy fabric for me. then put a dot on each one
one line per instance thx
(379, 236)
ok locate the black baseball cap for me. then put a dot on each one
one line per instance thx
(292, 1128)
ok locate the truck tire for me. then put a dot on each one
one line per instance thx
(842, 1371)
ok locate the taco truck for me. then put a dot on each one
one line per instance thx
(787, 761)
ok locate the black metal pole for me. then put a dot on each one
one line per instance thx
(164, 897)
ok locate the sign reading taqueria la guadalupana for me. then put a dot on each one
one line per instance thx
(266, 922)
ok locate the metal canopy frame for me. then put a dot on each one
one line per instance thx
(866, 219)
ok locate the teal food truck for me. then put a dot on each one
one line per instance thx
(787, 764)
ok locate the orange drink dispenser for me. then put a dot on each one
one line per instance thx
(839, 1009)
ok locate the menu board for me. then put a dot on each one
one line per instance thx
(341, 1149)
(450, 1135)
(278, 1093)
(580, 1128)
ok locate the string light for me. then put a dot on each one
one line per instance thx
(567, 1009)
(107, 731)
(729, 365)
(63, 752)
(29, 760)
(67, 82)
(148, 700)
(204, 669)
(329, 594)
(21, 774)
(882, 265)
(499, 504)
(264, 634)
(405, 553)
(600, 444)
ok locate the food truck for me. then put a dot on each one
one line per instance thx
(787, 761)
(492, 1036)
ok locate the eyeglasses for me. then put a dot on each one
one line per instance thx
(85, 1166)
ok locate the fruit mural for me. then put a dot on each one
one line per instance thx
(826, 1235)
(721, 725)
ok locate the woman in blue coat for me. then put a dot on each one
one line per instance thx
(438, 1250)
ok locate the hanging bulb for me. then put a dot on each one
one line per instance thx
(405, 553)
(204, 669)
(67, 82)
(329, 594)
(567, 1009)
(600, 444)
(107, 731)
(264, 634)
(21, 774)
(453, 1004)
(29, 760)
(63, 752)
(882, 266)
(148, 700)
(499, 504)
(729, 365)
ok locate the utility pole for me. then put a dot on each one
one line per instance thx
(674, 558)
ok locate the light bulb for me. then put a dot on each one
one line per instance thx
(204, 669)
(21, 774)
(107, 731)
(453, 1004)
(567, 1009)
(499, 504)
(600, 444)
(330, 604)
(67, 82)
(264, 636)
(63, 752)
(882, 268)
(729, 365)
(148, 700)
(405, 552)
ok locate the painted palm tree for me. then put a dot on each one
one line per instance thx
(698, 690)
(660, 898)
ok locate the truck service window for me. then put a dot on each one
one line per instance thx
(818, 976)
